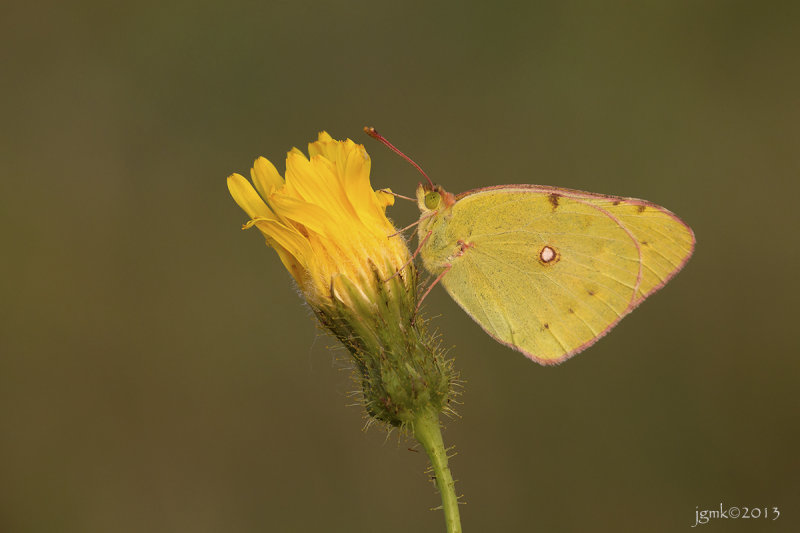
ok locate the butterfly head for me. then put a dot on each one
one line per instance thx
(433, 198)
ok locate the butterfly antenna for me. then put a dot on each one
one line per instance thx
(378, 137)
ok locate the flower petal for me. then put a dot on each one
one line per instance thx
(357, 186)
(265, 177)
(298, 272)
(317, 183)
(324, 145)
(291, 240)
(247, 197)
(309, 216)
(384, 197)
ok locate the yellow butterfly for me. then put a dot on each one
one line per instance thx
(544, 270)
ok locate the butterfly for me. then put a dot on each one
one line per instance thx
(544, 270)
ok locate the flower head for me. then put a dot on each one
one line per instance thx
(330, 229)
(324, 219)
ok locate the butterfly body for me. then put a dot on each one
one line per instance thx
(544, 270)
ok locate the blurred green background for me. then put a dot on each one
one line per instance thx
(160, 373)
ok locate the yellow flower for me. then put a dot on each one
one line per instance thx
(330, 229)
(324, 220)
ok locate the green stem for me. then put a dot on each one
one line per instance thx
(429, 433)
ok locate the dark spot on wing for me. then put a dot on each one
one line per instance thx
(553, 197)
(590, 292)
(644, 243)
(546, 325)
(571, 310)
(615, 202)
(640, 208)
(549, 256)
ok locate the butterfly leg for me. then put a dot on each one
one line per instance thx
(410, 259)
(447, 268)
(463, 247)
(398, 232)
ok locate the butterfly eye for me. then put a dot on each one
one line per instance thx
(432, 200)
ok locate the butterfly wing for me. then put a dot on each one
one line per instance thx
(548, 271)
